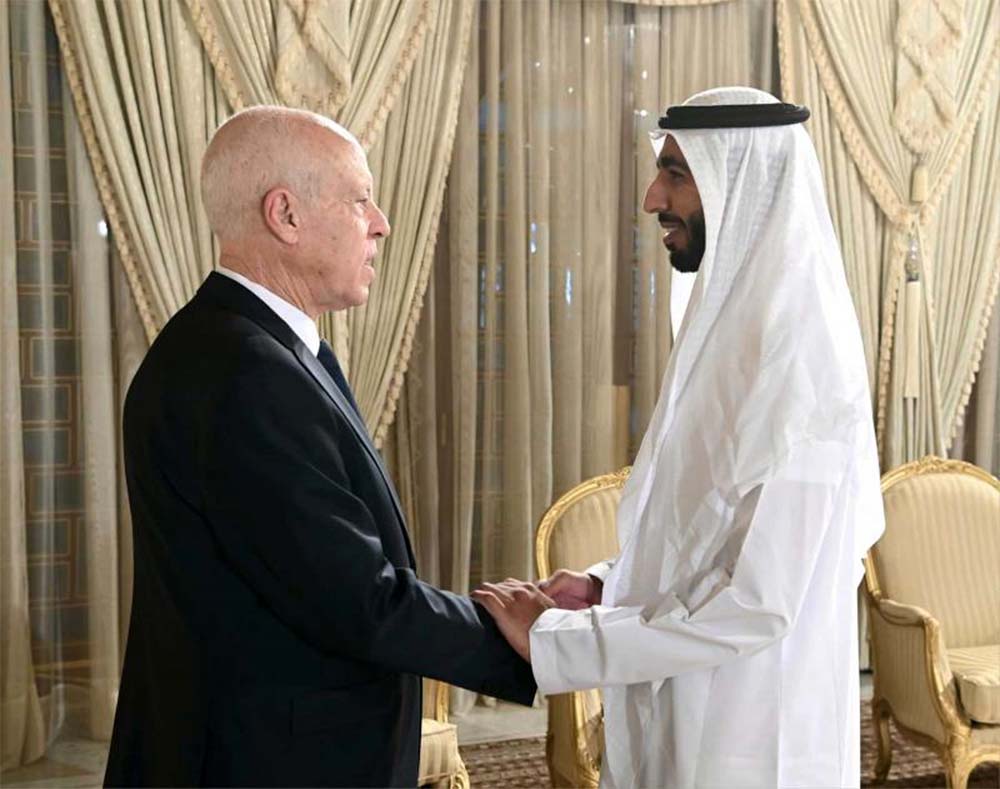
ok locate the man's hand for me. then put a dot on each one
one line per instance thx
(515, 605)
(572, 590)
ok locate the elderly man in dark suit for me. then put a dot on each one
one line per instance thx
(279, 630)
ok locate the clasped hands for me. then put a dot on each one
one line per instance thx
(515, 605)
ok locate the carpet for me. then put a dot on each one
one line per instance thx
(520, 764)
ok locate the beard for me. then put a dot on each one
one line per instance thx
(688, 260)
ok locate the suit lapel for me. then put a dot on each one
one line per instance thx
(234, 296)
(324, 379)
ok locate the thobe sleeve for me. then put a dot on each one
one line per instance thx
(739, 610)
(601, 570)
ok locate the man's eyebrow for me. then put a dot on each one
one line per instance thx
(672, 161)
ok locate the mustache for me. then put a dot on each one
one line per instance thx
(665, 218)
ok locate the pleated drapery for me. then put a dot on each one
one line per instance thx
(70, 339)
(905, 118)
(148, 100)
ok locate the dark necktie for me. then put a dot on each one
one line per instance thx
(329, 361)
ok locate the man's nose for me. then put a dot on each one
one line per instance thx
(655, 201)
(380, 226)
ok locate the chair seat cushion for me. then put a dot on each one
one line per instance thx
(439, 756)
(977, 674)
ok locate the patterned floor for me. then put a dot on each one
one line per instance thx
(514, 764)
(520, 764)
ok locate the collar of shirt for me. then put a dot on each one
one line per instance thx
(297, 320)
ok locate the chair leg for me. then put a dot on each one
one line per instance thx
(956, 765)
(958, 777)
(880, 719)
(460, 780)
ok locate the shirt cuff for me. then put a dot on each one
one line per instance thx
(543, 651)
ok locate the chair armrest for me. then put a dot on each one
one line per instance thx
(911, 669)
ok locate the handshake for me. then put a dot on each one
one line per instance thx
(515, 605)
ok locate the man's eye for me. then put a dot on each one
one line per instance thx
(676, 174)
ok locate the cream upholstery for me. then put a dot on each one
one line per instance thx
(905, 635)
(977, 674)
(441, 766)
(438, 753)
(939, 561)
(985, 735)
(585, 533)
(578, 531)
(934, 609)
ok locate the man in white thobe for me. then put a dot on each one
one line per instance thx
(724, 635)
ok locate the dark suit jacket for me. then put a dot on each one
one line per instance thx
(278, 631)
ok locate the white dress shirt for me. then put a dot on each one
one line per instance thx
(297, 320)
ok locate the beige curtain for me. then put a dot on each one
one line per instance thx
(540, 214)
(986, 405)
(66, 556)
(410, 162)
(547, 324)
(663, 3)
(346, 60)
(432, 445)
(22, 733)
(148, 100)
(979, 439)
(153, 80)
(108, 571)
(905, 102)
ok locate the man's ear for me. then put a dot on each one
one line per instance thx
(282, 214)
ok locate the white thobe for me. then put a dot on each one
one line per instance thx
(726, 640)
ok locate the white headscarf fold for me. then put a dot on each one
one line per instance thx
(769, 355)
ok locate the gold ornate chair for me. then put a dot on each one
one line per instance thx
(575, 533)
(441, 766)
(933, 597)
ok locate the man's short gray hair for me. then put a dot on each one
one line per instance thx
(254, 151)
